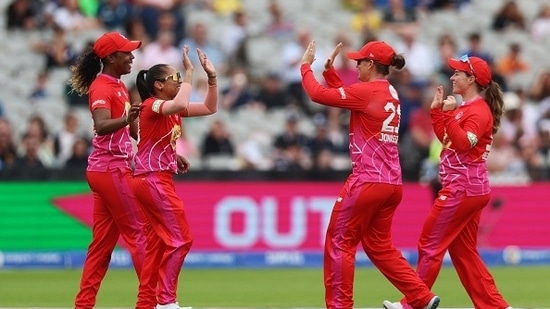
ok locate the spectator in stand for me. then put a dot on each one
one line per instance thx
(66, 137)
(398, 16)
(475, 48)
(150, 12)
(40, 90)
(29, 165)
(37, 129)
(79, 155)
(509, 17)
(21, 15)
(512, 62)
(233, 40)
(447, 49)
(237, 94)
(199, 39)
(291, 150)
(420, 56)
(217, 141)
(272, 93)
(69, 17)
(8, 149)
(540, 27)
(161, 48)
(367, 16)
(58, 51)
(278, 28)
(113, 14)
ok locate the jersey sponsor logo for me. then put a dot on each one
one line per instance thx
(98, 102)
(342, 93)
(459, 115)
(156, 106)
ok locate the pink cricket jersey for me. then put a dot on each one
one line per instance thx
(466, 136)
(111, 151)
(157, 137)
(374, 122)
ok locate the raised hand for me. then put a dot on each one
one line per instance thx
(206, 64)
(330, 59)
(449, 103)
(438, 98)
(309, 54)
(187, 64)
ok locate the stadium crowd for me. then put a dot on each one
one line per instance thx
(265, 121)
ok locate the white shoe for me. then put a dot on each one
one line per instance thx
(433, 304)
(389, 305)
(172, 306)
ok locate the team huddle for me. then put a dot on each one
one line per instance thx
(135, 197)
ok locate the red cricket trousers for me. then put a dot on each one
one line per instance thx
(452, 225)
(363, 213)
(169, 238)
(115, 213)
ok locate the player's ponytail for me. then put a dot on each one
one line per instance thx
(84, 72)
(145, 80)
(495, 100)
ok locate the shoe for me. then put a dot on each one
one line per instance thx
(389, 305)
(433, 304)
(172, 306)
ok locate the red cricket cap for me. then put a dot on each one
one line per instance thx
(111, 42)
(378, 51)
(474, 66)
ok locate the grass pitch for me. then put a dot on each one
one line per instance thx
(523, 287)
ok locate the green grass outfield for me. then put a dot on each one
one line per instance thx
(523, 287)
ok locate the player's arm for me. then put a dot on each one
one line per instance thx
(438, 123)
(465, 135)
(208, 107)
(350, 97)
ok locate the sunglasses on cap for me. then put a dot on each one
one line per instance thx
(175, 77)
(466, 59)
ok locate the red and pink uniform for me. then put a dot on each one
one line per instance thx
(453, 222)
(115, 210)
(365, 206)
(169, 236)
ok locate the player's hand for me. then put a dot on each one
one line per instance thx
(206, 64)
(438, 98)
(309, 54)
(449, 103)
(183, 164)
(133, 112)
(330, 59)
(187, 64)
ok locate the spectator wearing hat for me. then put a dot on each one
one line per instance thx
(365, 206)
(116, 212)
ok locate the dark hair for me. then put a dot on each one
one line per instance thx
(145, 80)
(398, 61)
(84, 71)
(495, 100)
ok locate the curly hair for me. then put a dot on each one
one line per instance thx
(84, 72)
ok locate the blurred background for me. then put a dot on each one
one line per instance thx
(267, 166)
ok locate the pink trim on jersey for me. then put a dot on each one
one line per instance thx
(374, 122)
(157, 139)
(463, 167)
(111, 151)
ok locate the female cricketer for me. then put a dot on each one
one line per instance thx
(365, 206)
(165, 99)
(115, 210)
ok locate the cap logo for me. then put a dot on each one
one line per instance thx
(371, 55)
